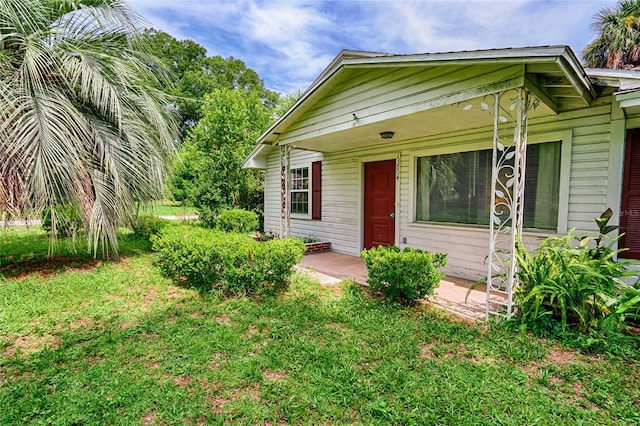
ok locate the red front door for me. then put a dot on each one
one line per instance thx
(379, 203)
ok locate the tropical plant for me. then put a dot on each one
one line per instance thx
(81, 124)
(577, 281)
(618, 41)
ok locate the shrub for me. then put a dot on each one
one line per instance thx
(207, 217)
(576, 282)
(406, 275)
(232, 263)
(237, 220)
(147, 225)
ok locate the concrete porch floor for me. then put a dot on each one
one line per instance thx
(331, 267)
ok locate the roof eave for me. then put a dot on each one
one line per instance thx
(258, 157)
(562, 55)
(620, 79)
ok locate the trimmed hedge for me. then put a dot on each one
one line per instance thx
(232, 263)
(237, 220)
(405, 276)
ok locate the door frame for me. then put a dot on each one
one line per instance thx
(370, 159)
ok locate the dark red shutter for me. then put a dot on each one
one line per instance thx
(630, 212)
(316, 190)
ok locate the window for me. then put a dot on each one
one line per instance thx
(305, 191)
(299, 187)
(456, 187)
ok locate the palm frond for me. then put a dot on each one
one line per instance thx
(79, 124)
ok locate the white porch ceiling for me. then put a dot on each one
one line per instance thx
(442, 120)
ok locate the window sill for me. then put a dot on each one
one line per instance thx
(529, 232)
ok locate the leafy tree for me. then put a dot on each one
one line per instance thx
(80, 123)
(224, 107)
(618, 41)
(196, 74)
(210, 174)
(285, 102)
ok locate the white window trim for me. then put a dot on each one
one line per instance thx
(306, 216)
(565, 137)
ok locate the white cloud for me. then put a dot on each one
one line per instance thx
(289, 42)
(291, 31)
(445, 26)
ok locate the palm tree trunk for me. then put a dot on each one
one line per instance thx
(615, 60)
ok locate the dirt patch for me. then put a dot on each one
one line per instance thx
(250, 332)
(149, 297)
(29, 344)
(175, 292)
(557, 357)
(218, 403)
(337, 326)
(578, 390)
(560, 357)
(477, 359)
(223, 319)
(206, 384)
(277, 376)
(46, 267)
(426, 352)
(216, 360)
(429, 351)
(182, 381)
(334, 289)
(81, 323)
(150, 419)
(153, 365)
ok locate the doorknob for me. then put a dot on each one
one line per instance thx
(392, 215)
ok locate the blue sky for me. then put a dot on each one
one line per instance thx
(290, 42)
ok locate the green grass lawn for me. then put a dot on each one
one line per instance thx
(92, 342)
(168, 208)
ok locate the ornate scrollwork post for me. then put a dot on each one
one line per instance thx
(510, 123)
(285, 216)
(510, 111)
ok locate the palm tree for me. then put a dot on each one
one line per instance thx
(618, 42)
(80, 122)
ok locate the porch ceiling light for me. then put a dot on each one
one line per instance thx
(386, 135)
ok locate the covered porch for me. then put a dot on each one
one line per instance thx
(368, 109)
(330, 268)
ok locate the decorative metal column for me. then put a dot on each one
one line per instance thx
(510, 121)
(285, 215)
